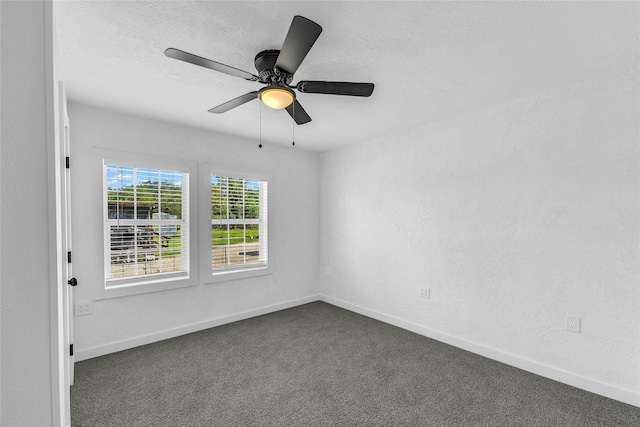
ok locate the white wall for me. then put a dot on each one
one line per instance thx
(513, 217)
(28, 216)
(120, 322)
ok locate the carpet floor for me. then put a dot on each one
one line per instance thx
(319, 365)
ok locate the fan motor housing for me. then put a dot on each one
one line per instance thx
(265, 63)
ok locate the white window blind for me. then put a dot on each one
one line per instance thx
(146, 225)
(239, 232)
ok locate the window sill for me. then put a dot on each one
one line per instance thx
(115, 288)
(236, 274)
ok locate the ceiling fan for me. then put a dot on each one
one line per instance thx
(276, 69)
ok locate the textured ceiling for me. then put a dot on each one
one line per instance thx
(428, 60)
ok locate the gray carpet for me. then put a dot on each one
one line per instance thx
(318, 365)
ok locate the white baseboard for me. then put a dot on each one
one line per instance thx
(89, 353)
(560, 375)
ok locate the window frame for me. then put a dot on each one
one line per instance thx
(207, 273)
(151, 283)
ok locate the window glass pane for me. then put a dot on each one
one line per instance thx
(252, 243)
(252, 200)
(170, 246)
(146, 193)
(236, 198)
(218, 197)
(236, 234)
(252, 233)
(170, 189)
(120, 192)
(219, 240)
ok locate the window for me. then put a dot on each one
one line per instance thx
(169, 223)
(238, 225)
(146, 225)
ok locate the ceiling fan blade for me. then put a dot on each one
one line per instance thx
(207, 63)
(297, 113)
(302, 34)
(223, 108)
(336, 88)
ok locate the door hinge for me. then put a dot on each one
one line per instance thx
(67, 162)
(69, 257)
(71, 350)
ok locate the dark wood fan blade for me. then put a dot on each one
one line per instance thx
(336, 88)
(302, 34)
(222, 108)
(297, 113)
(207, 63)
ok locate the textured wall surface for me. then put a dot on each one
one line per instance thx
(512, 216)
(25, 274)
(293, 218)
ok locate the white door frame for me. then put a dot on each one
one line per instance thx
(60, 389)
(67, 291)
(61, 327)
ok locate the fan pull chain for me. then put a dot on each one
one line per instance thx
(260, 109)
(293, 125)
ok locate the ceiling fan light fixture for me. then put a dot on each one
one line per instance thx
(277, 97)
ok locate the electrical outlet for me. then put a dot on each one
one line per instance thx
(425, 293)
(83, 307)
(573, 324)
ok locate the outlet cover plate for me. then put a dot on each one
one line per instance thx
(81, 308)
(573, 323)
